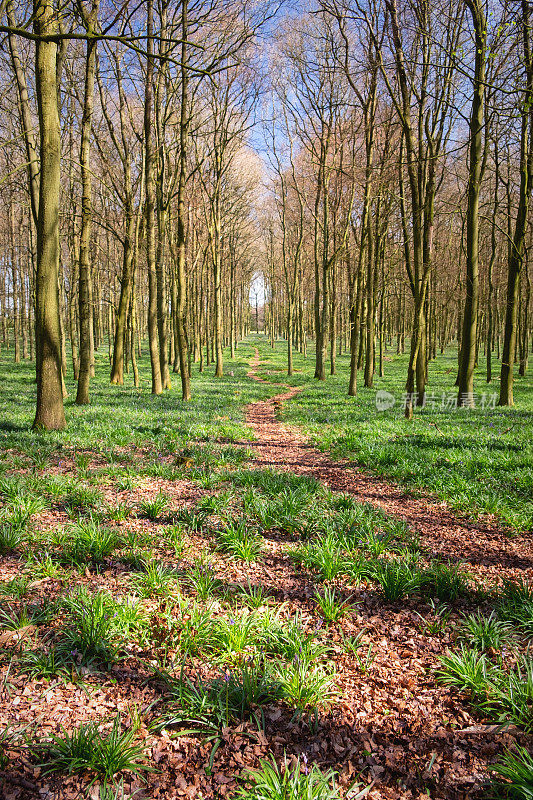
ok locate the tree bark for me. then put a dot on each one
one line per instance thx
(25, 112)
(518, 243)
(85, 278)
(470, 315)
(128, 266)
(181, 236)
(50, 413)
(153, 334)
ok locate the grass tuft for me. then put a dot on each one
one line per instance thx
(332, 606)
(292, 781)
(88, 748)
(516, 769)
(468, 671)
(154, 507)
(240, 540)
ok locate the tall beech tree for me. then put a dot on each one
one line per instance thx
(467, 359)
(50, 413)
(85, 294)
(149, 179)
(184, 123)
(517, 248)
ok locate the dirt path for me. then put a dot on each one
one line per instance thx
(480, 544)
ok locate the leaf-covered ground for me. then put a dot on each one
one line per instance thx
(212, 603)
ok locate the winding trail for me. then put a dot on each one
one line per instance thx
(481, 544)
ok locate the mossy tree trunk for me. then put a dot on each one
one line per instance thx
(50, 413)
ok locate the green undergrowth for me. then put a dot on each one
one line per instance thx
(123, 416)
(220, 654)
(479, 461)
(182, 590)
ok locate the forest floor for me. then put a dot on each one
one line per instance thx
(215, 600)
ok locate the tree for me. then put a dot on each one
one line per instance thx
(475, 170)
(153, 333)
(90, 18)
(181, 211)
(517, 249)
(50, 413)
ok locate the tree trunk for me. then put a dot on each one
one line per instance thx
(14, 278)
(85, 294)
(162, 304)
(290, 315)
(518, 242)
(356, 296)
(126, 283)
(182, 178)
(217, 289)
(50, 413)
(153, 334)
(490, 298)
(370, 312)
(470, 316)
(25, 112)
(524, 347)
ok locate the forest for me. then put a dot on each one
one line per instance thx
(266, 409)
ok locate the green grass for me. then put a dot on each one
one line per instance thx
(87, 748)
(485, 632)
(396, 579)
(207, 707)
(290, 782)
(153, 508)
(122, 416)
(323, 555)
(479, 461)
(156, 580)
(87, 542)
(466, 670)
(93, 629)
(504, 696)
(331, 605)
(515, 605)
(239, 539)
(516, 769)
